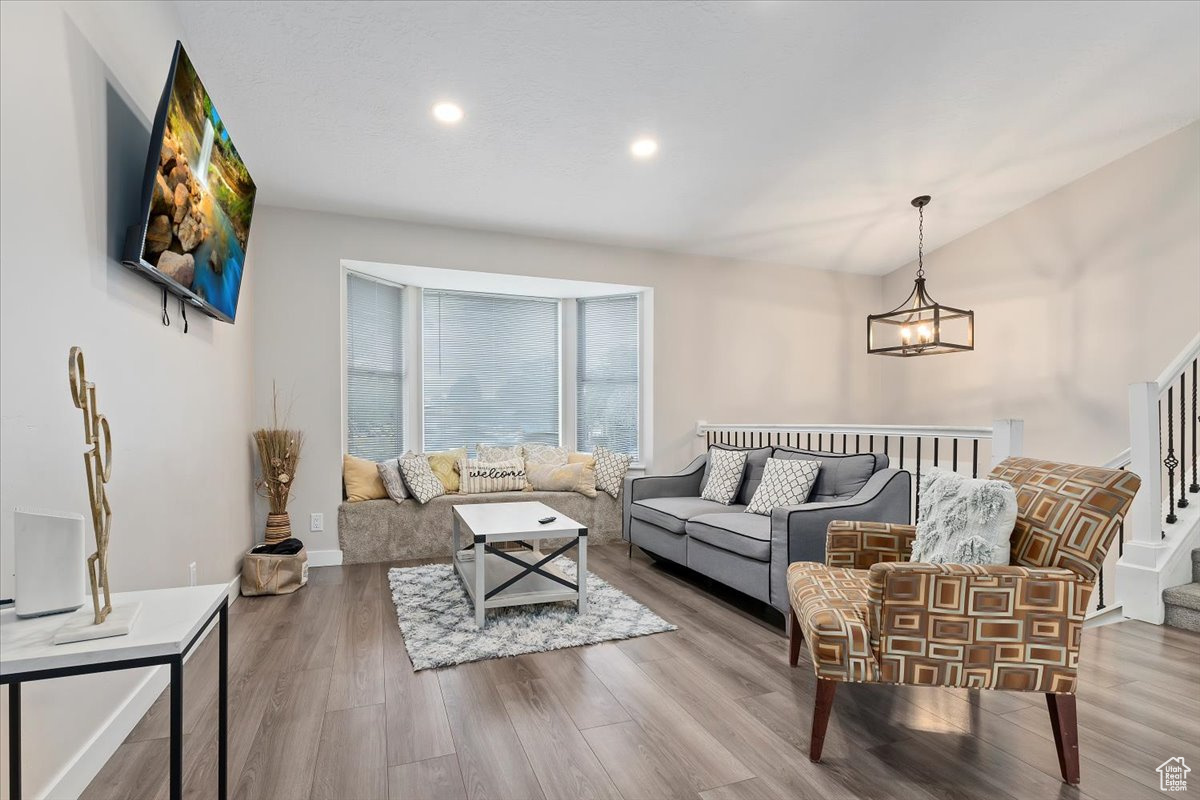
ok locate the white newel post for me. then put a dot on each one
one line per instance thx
(1008, 439)
(1138, 571)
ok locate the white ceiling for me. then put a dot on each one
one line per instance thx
(790, 132)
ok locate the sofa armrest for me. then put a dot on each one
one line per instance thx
(685, 483)
(798, 532)
(973, 626)
(861, 543)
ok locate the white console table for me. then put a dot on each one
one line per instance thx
(170, 624)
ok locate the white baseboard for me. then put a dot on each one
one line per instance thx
(324, 558)
(78, 773)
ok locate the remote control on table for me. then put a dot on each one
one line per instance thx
(546, 520)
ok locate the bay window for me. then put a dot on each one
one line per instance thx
(431, 369)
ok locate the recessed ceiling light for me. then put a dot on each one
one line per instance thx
(447, 112)
(644, 147)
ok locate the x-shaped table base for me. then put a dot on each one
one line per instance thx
(527, 568)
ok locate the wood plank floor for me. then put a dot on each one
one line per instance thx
(324, 704)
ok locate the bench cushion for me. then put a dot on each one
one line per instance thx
(747, 535)
(671, 513)
(384, 530)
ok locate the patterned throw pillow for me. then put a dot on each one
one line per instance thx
(545, 454)
(445, 467)
(492, 453)
(785, 482)
(610, 470)
(964, 520)
(422, 484)
(577, 477)
(725, 475)
(481, 477)
(389, 471)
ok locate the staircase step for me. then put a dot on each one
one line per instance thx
(1187, 596)
(1183, 606)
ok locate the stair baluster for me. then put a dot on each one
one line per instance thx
(1171, 462)
(1195, 487)
(1183, 501)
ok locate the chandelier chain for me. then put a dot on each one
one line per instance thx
(921, 242)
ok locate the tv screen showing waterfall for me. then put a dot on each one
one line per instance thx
(197, 199)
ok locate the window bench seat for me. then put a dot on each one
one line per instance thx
(384, 530)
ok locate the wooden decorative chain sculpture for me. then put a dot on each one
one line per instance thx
(97, 462)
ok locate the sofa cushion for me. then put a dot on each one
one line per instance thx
(670, 513)
(841, 476)
(747, 535)
(756, 459)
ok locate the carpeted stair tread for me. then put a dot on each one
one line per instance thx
(1187, 596)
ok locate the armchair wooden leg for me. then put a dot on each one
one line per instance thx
(795, 637)
(1066, 734)
(821, 708)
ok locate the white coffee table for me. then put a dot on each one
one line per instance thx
(495, 578)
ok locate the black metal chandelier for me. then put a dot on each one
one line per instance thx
(920, 326)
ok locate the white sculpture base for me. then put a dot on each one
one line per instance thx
(80, 626)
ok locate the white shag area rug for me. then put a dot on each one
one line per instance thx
(438, 619)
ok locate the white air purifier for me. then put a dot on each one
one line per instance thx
(51, 577)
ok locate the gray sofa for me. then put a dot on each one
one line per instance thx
(665, 516)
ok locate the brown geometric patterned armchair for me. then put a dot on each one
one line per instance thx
(871, 616)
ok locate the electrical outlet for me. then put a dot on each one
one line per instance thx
(192, 574)
(316, 522)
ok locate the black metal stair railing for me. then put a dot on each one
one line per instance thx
(1177, 452)
(1179, 447)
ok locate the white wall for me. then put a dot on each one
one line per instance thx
(1076, 295)
(79, 84)
(732, 341)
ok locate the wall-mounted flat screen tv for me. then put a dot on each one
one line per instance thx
(197, 200)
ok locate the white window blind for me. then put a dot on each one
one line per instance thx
(374, 368)
(490, 369)
(606, 390)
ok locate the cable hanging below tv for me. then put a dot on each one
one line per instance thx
(197, 200)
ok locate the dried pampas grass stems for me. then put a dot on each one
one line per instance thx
(278, 455)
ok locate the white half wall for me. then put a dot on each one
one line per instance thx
(79, 84)
(732, 340)
(1077, 295)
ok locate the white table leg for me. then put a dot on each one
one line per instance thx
(454, 534)
(480, 584)
(581, 575)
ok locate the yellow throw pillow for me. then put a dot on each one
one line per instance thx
(577, 477)
(582, 458)
(362, 479)
(445, 466)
